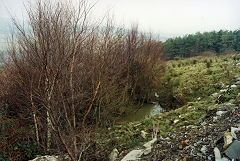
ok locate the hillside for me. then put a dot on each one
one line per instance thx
(205, 87)
(207, 90)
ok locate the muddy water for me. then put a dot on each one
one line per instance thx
(138, 113)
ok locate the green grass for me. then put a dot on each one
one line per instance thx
(198, 79)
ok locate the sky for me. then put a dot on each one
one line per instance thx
(167, 18)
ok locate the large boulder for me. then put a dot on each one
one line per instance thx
(133, 155)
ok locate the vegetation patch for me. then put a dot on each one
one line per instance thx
(200, 102)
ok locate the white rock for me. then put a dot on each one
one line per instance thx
(220, 113)
(223, 159)
(204, 149)
(227, 139)
(234, 86)
(215, 94)
(215, 118)
(217, 154)
(133, 155)
(189, 107)
(150, 143)
(203, 123)
(176, 121)
(230, 104)
(147, 151)
(233, 130)
(144, 134)
(113, 155)
(191, 126)
(223, 90)
(46, 158)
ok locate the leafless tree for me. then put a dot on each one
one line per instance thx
(45, 56)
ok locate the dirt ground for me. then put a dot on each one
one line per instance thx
(197, 142)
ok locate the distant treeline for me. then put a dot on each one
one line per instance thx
(197, 44)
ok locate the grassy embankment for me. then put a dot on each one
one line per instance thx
(196, 79)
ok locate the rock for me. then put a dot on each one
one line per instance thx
(229, 105)
(197, 143)
(233, 130)
(204, 149)
(233, 151)
(215, 94)
(46, 158)
(227, 139)
(189, 107)
(192, 154)
(175, 121)
(237, 83)
(237, 78)
(200, 155)
(203, 123)
(113, 155)
(150, 143)
(220, 113)
(191, 126)
(215, 118)
(234, 86)
(209, 158)
(147, 151)
(223, 90)
(144, 134)
(136, 154)
(218, 155)
(222, 108)
(133, 155)
(199, 98)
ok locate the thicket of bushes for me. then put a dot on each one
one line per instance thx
(66, 74)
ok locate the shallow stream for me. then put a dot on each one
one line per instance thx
(138, 113)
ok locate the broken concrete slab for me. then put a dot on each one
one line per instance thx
(233, 151)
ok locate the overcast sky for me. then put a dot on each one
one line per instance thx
(168, 18)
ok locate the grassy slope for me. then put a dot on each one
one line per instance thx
(191, 78)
